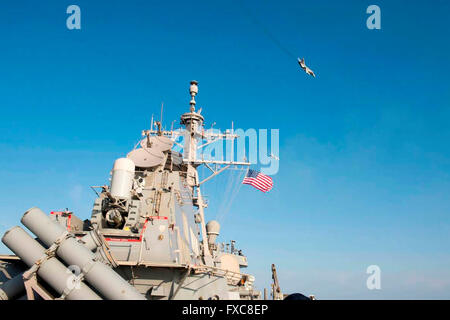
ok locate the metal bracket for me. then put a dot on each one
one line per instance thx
(30, 276)
(32, 285)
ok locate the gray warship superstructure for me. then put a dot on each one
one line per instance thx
(147, 237)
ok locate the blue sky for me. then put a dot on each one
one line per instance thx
(365, 159)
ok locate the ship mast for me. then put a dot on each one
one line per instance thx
(196, 138)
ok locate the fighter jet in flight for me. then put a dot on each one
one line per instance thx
(302, 64)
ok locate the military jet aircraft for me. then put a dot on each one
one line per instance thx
(302, 64)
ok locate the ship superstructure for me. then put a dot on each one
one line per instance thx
(147, 226)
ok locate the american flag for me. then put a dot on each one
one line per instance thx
(258, 180)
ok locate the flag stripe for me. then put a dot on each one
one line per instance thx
(259, 180)
(266, 181)
(264, 177)
(259, 185)
(264, 185)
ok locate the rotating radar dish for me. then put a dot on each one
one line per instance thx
(160, 143)
(146, 158)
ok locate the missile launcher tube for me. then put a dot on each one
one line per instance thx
(104, 279)
(12, 288)
(91, 241)
(51, 270)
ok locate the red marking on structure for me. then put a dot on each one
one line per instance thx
(157, 217)
(122, 240)
(68, 222)
(128, 239)
(60, 213)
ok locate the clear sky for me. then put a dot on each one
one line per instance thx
(365, 156)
